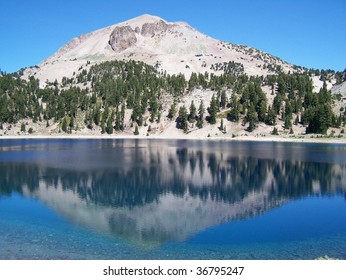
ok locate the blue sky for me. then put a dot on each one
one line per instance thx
(309, 33)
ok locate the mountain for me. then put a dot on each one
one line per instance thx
(150, 77)
(170, 47)
(165, 191)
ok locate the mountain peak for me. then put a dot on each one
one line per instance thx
(172, 47)
(140, 20)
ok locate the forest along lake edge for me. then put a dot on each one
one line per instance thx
(177, 198)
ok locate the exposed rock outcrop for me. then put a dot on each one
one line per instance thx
(122, 38)
(151, 39)
(150, 29)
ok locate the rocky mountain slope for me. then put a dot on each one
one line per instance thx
(170, 47)
(150, 77)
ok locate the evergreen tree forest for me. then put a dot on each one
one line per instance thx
(101, 95)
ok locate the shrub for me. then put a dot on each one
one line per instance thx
(22, 127)
(275, 131)
(136, 130)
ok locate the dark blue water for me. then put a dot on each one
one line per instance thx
(160, 199)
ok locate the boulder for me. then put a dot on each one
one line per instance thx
(150, 29)
(121, 38)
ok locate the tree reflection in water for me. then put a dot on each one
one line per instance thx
(152, 192)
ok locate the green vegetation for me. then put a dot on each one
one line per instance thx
(340, 77)
(136, 131)
(275, 131)
(101, 95)
(182, 119)
(200, 117)
(212, 110)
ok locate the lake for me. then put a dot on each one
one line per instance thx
(171, 199)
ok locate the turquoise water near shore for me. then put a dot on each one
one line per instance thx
(137, 199)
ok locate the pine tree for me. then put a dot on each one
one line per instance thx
(130, 101)
(193, 82)
(223, 101)
(172, 111)
(71, 124)
(251, 118)
(321, 119)
(271, 116)
(339, 121)
(117, 120)
(288, 110)
(201, 80)
(137, 115)
(136, 130)
(234, 113)
(262, 111)
(277, 104)
(109, 128)
(22, 127)
(201, 111)
(275, 131)
(221, 125)
(182, 119)
(153, 107)
(97, 115)
(192, 115)
(64, 125)
(105, 114)
(103, 125)
(287, 123)
(93, 98)
(122, 116)
(213, 108)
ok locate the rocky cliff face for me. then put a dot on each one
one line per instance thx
(122, 38)
(150, 29)
(171, 47)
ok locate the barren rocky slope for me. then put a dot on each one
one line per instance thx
(170, 47)
(87, 81)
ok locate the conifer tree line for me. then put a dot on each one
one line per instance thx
(102, 94)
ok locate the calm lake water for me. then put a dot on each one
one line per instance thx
(171, 199)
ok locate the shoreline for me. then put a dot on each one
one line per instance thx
(250, 138)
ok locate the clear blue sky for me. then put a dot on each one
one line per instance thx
(309, 33)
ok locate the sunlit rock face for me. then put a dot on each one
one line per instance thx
(171, 47)
(153, 192)
(122, 38)
(150, 29)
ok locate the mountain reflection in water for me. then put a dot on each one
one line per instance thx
(151, 192)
